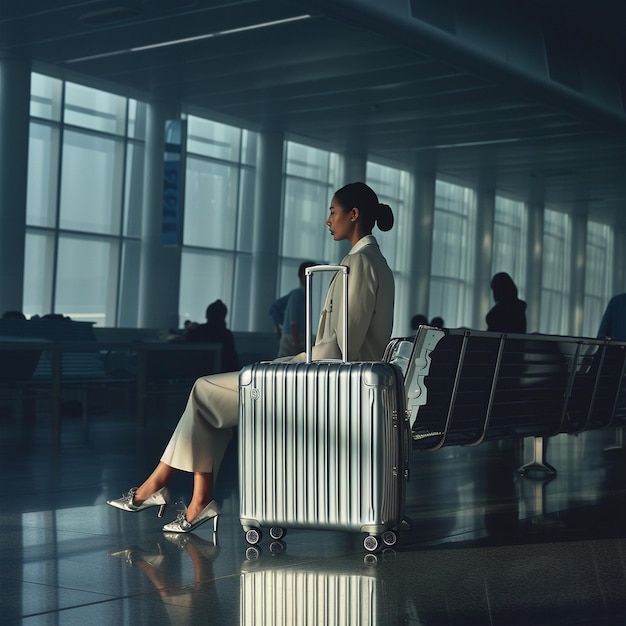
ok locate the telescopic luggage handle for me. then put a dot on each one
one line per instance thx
(309, 271)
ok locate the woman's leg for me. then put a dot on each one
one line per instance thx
(202, 494)
(159, 478)
(197, 445)
(200, 439)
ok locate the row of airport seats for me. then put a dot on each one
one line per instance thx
(465, 387)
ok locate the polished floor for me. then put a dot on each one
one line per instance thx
(487, 546)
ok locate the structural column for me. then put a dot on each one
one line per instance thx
(14, 120)
(354, 167)
(421, 236)
(160, 264)
(266, 238)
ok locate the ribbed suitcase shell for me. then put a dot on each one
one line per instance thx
(322, 445)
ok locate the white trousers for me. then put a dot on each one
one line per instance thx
(200, 439)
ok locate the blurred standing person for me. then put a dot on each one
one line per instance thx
(613, 322)
(509, 313)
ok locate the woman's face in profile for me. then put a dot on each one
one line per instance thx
(340, 223)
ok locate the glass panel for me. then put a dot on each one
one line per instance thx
(239, 313)
(91, 183)
(128, 309)
(94, 109)
(307, 162)
(554, 314)
(598, 276)
(41, 195)
(451, 299)
(86, 279)
(246, 210)
(210, 204)
(212, 139)
(509, 241)
(38, 273)
(452, 267)
(213, 271)
(45, 97)
(305, 210)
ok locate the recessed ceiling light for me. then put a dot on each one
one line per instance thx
(174, 42)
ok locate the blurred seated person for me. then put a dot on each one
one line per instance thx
(437, 322)
(418, 320)
(13, 315)
(214, 330)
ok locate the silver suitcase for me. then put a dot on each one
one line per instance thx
(323, 444)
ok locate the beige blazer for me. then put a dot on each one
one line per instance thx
(370, 307)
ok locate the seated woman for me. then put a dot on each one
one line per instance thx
(205, 427)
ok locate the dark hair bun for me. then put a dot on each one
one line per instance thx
(364, 198)
(384, 217)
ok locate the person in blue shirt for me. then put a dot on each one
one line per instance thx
(292, 333)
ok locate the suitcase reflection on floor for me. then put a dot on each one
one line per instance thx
(350, 592)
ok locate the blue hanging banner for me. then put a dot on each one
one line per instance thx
(173, 183)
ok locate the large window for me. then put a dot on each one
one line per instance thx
(598, 275)
(393, 187)
(555, 285)
(452, 267)
(509, 241)
(84, 197)
(310, 181)
(217, 234)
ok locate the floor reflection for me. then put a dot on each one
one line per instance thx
(487, 546)
(183, 602)
(284, 591)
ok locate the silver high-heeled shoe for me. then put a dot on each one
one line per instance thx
(186, 541)
(181, 525)
(159, 498)
(133, 555)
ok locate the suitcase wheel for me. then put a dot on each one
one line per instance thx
(277, 533)
(253, 553)
(371, 543)
(253, 536)
(277, 548)
(390, 537)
